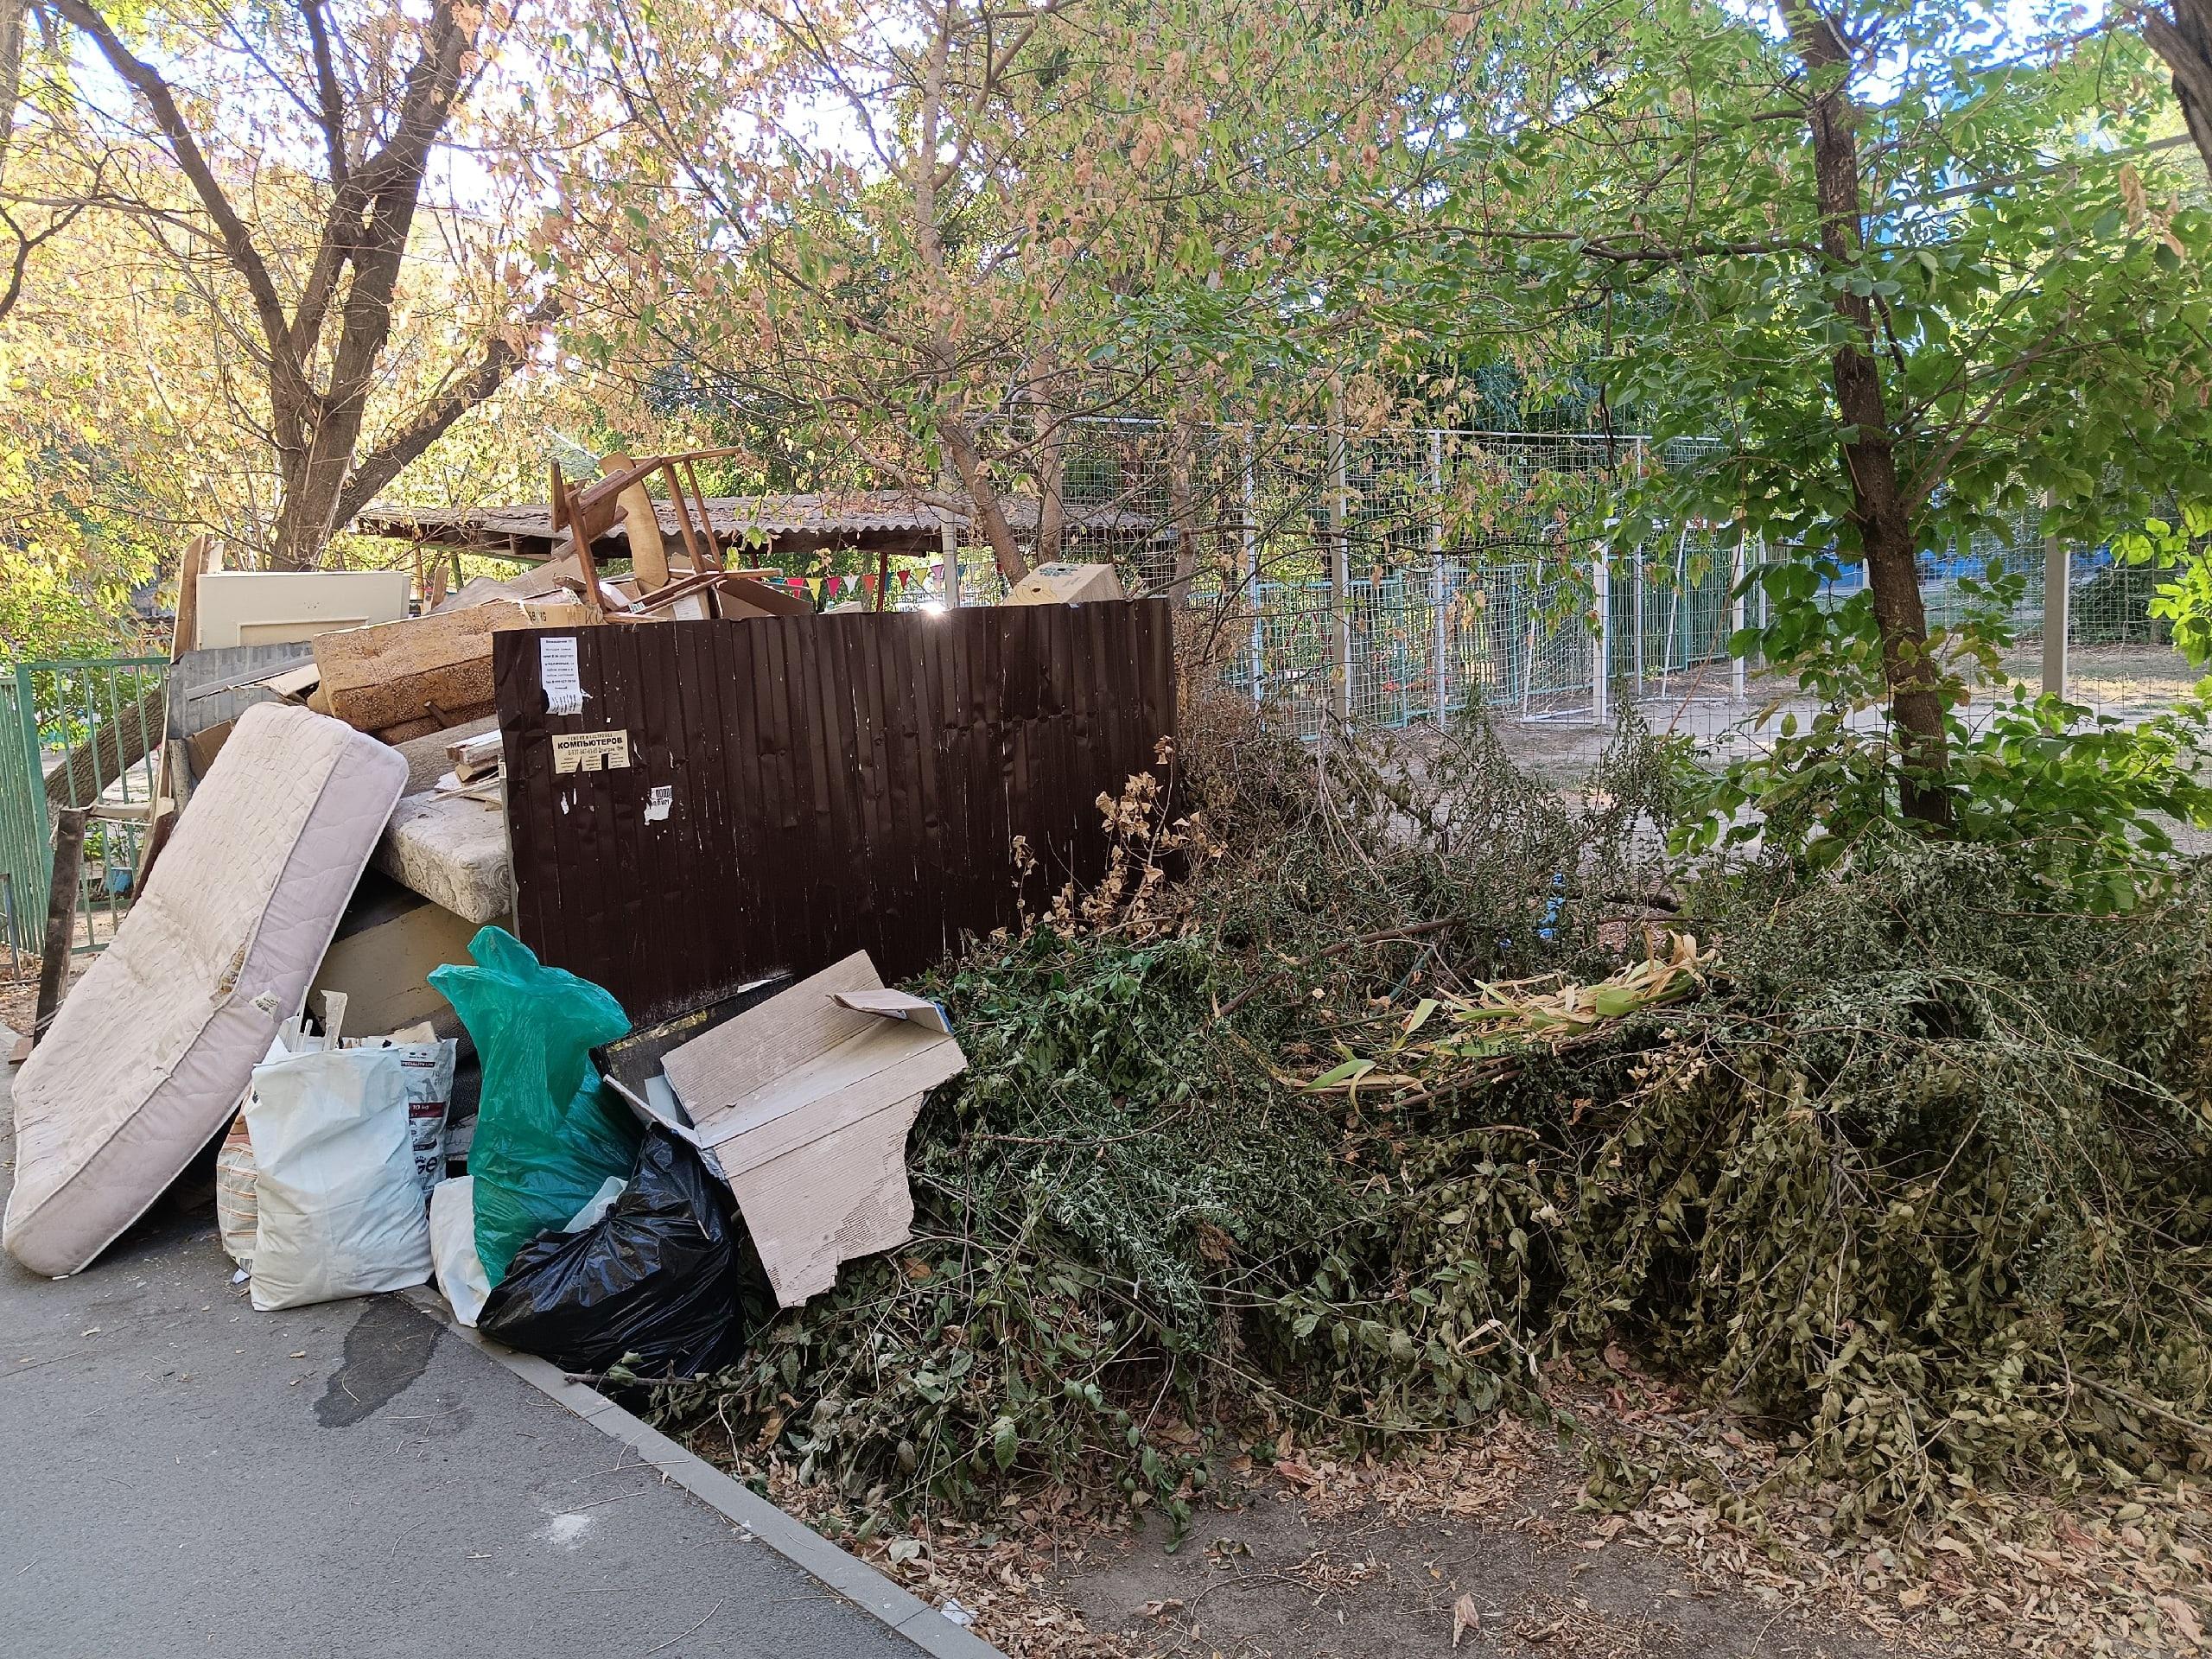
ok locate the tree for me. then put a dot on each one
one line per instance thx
(945, 231)
(290, 150)
(2180, 31)
(1894, 281)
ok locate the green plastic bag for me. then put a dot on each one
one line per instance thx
(547, 1134)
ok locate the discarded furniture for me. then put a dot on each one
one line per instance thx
(380, 957)
(804, 1103)
(273, 607)
(695, 805)
(453, 850)
(151, 1050)
(404, 679)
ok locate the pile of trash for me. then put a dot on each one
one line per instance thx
(317, 992)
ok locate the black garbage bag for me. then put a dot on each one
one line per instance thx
(661, 1275)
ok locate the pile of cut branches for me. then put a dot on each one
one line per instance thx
(1414, 1075)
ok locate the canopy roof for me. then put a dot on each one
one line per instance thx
(876, 520)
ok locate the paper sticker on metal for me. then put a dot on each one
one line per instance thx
(590, 750)
(556, 668)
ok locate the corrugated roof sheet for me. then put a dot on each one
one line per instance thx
(855, 517)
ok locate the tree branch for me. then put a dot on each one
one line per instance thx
(237, 241)
(327, 93)
(378, 469)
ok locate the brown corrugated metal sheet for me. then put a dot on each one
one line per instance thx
(789, 525)
(835, 783)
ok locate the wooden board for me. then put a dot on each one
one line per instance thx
(802, 787)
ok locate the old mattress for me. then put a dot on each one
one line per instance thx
(149, 1055)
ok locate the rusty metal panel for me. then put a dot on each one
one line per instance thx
(832, 784)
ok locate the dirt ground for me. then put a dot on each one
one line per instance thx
(1488, 1543)
(1287, 1578)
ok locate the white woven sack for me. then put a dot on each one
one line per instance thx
(340, 1210)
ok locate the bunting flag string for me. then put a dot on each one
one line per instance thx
(814, 587)
(903, 577)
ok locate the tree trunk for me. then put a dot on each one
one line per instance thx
(1182, 442)
(313, 478)
(1885, 522)
(1051, 467)
(969, 465)
(14, 14)
(2182, 34)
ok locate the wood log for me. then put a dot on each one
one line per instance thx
(114, 747)
(61, 915)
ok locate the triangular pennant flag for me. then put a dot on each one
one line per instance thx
(814, 587)
(936, 573)
(903, 576)
(836, 586)
(868, 583)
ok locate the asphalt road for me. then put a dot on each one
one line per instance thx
(181, 1475)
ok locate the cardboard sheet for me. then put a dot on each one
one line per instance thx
(805, 1102)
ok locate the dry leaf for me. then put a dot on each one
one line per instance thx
(1466, 1616)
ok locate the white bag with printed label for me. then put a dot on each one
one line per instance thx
(341, 1210)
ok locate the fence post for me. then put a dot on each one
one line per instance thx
(1736, 614)
(1636, 621)
(1441, 647)
(35, 781)
(1339, 560)
(1601, 647)
(1250, 554)
(2055, 619)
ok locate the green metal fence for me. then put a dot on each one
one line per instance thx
(83, 732)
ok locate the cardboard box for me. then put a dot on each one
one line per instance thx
(1067, 584)
(804, 1103)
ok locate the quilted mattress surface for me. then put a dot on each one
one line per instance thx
(146, 1060)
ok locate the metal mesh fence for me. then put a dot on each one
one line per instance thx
(1463, 575)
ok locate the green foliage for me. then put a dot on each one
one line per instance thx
(2089, 802)
(1920, 1181)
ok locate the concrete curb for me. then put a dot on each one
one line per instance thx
(753, 1515)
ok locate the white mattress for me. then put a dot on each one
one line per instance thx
(149, 1053)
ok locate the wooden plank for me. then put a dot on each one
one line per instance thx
(641, 525)
(184, 631)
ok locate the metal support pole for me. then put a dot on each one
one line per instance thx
(1601, 647)
(1736, 614)
(1766, 610)
(1340, 561)
(1441, 646)
(2055, 619)
(1636, 621)
(1250, 570)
